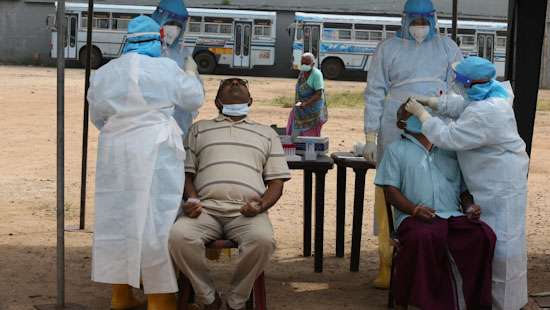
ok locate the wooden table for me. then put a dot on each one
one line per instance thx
(360, 166)
(320, 167)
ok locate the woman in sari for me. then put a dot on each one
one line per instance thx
(310, 111)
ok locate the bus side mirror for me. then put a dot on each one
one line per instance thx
(50, 22)
(458, 42)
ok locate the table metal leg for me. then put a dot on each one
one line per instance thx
(357, 218)
(340, 210)
(308, 192)
(319, 218)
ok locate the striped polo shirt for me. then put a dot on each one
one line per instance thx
(232, 161)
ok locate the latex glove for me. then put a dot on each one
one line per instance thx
(370, 150)
(190, 66)
(417, 109)
(432, 102)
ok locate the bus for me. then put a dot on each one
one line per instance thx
(347, 42)
(237, 38)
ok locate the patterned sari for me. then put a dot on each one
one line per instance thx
(307, 121)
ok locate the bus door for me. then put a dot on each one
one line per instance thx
(312, 36)
(242, 48)
(486, 46)
(71, 36)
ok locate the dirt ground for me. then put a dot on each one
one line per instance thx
(27, 202)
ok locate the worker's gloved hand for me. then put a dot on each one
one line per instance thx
(431, 102)
(370, 150)
(190, 66)
(417, 109)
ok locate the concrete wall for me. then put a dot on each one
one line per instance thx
(23, 32)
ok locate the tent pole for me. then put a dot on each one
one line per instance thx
(455, 20)
(84, 166)
(524, 62)
(61, 20)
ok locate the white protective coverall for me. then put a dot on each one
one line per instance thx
(140, 172)
(494, 164)
(401, 68)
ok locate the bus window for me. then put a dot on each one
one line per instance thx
(101, 20)
(442, 31)
(226, 28)
(391, 30)
(365, 32)
(194, 24)
(337, 31)
(299, 33)
(501, 42)
(84, 20)
(221, 25)
(467, 40)
(246, 43)
(363, 35)
(262, 27)
(467, 37)
(120, 20)
(344, 34)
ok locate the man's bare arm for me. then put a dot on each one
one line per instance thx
(269, 199)
(272, 194)
(189, 190)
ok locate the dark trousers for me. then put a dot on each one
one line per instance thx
(423, 277)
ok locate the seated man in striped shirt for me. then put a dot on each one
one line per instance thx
(235, 170)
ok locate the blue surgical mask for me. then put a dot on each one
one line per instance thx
(240, 109)
(305, 68)
(414, 125)
(459, 89)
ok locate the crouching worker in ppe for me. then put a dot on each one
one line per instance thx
(309, 113)
(172, 16)
(417, 61)
(445, 252)
(494, 164)
(140, 172)
(235, 170)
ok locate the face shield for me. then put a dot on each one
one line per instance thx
(419, 27)
(460, 83)
(171, 33)
(172, 16)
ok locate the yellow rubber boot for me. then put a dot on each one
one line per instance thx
(382, 281)
(161, 301)
(123, 298)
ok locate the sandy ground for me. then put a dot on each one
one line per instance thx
(27, 203)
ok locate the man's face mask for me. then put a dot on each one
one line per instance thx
(419, 33)
(413, 124)
(170, 33)
(240, 109)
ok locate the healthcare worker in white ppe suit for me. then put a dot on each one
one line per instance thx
(172, 16)
(416, 62)
(140, 172)
(494, 164)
